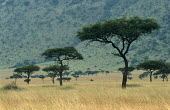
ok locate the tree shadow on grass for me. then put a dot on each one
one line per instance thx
(133, 85)
(66, 87)
(49, 86)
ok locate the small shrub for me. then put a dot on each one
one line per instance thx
(11, 86)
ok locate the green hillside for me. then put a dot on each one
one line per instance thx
(28, 27)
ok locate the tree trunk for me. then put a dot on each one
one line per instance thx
(15, 81)
(125, 73)
(61, 83)
(53, 80)
(28, 82)
(163, 79)
(151, 77)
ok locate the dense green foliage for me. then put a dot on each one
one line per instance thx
(27, 28)
(66, 53)
(28, 70)
(60, 55)
(150, 66)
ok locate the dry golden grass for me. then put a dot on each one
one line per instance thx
(104, 93)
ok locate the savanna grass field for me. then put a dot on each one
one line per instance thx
(104, 93)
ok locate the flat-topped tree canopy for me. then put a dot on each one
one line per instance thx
(18, 70)
(123, 30)
(55, 68)
(150, 65)
(130, 69)
(66, 53)
(30, 68)
(165, 69)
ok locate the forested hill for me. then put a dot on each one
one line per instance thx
(28, 27)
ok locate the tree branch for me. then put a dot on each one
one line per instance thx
(127, 49)
(123, 45)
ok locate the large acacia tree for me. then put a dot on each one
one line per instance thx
(60, 55)
(120, 33)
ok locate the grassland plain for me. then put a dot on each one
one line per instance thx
(104, 93)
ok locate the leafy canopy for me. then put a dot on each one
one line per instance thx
(165, 69)
(55, 68)
(130, 69)
(65, 53)
(150, 65)
(15, 76)
(27, 69)
(123, 30)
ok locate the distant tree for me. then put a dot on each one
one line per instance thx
(55, 69)
(130, 69)
(15, 76)
(42, 77)
(102, 71)
(143, 75)
(52, 76)
(107, 72)
(29, 70)
(76, 76)
(60, 55)
(96, 72)
(79, 72)
(163, 72)
(66, 73)
(120, 33)
(150, 66)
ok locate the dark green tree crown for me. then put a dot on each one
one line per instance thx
(65, 53)
(55, 68)
(15, 76)
(129, 69)
(125, 29)
(18, 70)
(150, 65)
(27, 69)
(165, 69)
(41, 76)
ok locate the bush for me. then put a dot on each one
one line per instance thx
(11, 86)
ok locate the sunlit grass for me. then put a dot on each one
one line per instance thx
(104, 93)
(88, 95)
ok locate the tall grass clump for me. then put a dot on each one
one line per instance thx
(11, 86)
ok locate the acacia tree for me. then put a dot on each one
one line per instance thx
(41, 77)
(76, 76)
(150, 66)
(66, 73)
(163, 72)
(28, 70)
(60, 55)
(18, 70)
(120, 33)
(55, 69)
(15, 76)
